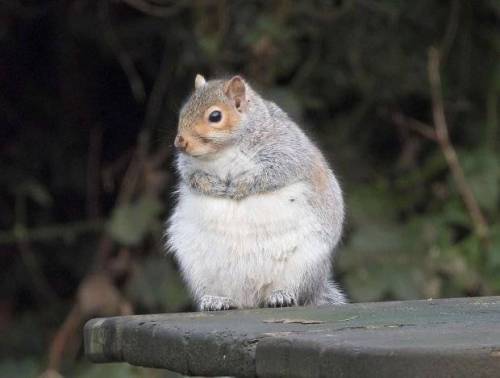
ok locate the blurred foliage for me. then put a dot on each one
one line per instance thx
(80, 79)
(130, 223)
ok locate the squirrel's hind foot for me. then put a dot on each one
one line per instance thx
(281, 298)
(215, 303)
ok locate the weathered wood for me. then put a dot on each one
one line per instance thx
(430, 338)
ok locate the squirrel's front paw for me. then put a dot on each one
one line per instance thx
(281, 298)
(201, 181)
(215, 303)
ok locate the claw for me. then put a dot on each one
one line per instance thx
(215, 303)
(281, 298)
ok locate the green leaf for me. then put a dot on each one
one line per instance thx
(26, 367)
(405, 282)
(130, 223)
(157, 286)
(493, 252)
(368, 203)
(365, 285)
(454, 212)
(37, 192)
(481, 168)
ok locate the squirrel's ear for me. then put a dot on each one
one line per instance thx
(199, 81)
(235, 89)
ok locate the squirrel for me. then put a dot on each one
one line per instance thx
(259, 212)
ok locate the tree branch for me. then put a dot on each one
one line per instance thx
(419, 127)
(443, 139)
(451, 31)
(126, 62)
(58, 231)
(153, 9)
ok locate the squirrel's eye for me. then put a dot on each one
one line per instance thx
(215, 116)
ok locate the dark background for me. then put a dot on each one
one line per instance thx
(89, 96)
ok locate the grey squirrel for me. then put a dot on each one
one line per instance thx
(259, 212)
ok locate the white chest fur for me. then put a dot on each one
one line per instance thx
(239, 248)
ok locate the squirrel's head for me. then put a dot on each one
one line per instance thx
(212, 115)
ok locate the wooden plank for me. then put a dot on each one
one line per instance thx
(439, 338)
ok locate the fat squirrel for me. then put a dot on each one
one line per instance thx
(259, 211)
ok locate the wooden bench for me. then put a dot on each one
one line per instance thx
(427, 338)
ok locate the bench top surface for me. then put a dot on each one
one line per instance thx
(445, 337)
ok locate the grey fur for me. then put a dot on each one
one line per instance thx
(281, 155)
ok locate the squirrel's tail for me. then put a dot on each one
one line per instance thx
(332, 295)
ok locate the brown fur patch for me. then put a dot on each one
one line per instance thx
(235, 90)
(319, 174)
(230, 118)
(196, 147)
(198, 136)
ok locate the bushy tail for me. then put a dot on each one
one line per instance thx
(332, 295)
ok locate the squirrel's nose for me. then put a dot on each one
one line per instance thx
(180, 142)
